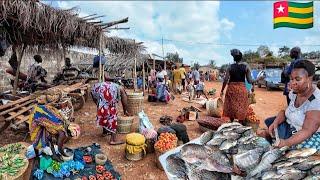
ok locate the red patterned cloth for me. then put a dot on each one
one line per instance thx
(236, 101)
(212, 122)
(108, 95)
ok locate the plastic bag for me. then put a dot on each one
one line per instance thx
(30, 152)
(144, 122)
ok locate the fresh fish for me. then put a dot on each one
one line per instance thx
(248, 160)
(309, 163)
(248, 132)
(270, 175)
(314, 177)
(176, 166)
(216, 141)
(305, 152)
(218, 136)
(227, 144)
(231, 135)
(211, 164)
(291, 174)
(237, 177)
(244, 139)
(315, 170)
(262, 142)
(197, 174)
(266, 160)
(206, 137)
(242, 148)
(242, 129)
(283, 164)
(193, 153)
(226, 125)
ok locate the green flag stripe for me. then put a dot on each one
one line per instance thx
(293, 25)
(300, 5)
(299, 15)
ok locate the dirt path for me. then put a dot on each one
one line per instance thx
(268, 104)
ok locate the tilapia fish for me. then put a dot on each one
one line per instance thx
(314, 177)
(268, 175)
(176, 166)
(226, 125)
(227, 144)
(203, 174)
(266, 160)
(249, 159)
(216, 142)
(218, 162)
(193, 153)
(305, 152)
(308, 163)
(231, 135)
(244, 139)
(291, 174)
(206, 137)
(315, 170)
(242, 129)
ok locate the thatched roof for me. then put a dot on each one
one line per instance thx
(38, 25)
(122, 62)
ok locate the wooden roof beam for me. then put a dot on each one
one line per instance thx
(106, 25)
(88, 16)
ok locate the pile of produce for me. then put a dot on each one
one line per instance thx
(251, 116)
(12, 161)
(236, 145)
(166, 142)
(212, 123)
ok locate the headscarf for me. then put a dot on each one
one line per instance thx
(235, 52)
(74, 130)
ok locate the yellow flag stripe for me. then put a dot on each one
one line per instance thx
(293, 20)
(300, 10)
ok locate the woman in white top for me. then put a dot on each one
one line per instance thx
(298, 125)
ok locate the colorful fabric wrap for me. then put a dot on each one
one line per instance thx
(312, 142)
(135, 143)
(44, 121)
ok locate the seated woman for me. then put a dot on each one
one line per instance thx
(163, 94)
(298, 125)
(48, 128)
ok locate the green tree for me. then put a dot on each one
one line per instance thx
(223, 68)
(284, 52)
(174, 57)
(213, 64)
(250, 56)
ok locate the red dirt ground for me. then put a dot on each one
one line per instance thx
(268, 104)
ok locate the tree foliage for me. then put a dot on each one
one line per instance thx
(174, 57)
(212, 64)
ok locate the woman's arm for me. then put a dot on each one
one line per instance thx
(310, 126)
(248, 75)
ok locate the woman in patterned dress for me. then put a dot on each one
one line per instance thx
(236, 99)
(107, 95)
(298, 125)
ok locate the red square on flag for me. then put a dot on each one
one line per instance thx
(280, 9)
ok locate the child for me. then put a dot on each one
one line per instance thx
(190, 89)
(200, 88)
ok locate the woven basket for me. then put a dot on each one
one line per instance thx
(134, 157)
(124, 124)
(135, 103)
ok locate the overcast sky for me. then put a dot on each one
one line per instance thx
(200, 30)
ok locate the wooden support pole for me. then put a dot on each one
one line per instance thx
(135, 73)
(100, 65)
(144, 79)
(19, 51)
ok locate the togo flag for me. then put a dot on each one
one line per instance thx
(293, 14)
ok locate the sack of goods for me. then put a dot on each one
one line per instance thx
(135, 146)
(212, 123)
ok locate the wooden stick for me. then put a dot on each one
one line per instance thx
(106, 25)
(24, 119)
(16, 80)
(15, 102)
(16, 107)
(144, 79)
(19, 112)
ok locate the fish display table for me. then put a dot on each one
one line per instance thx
(164, 156)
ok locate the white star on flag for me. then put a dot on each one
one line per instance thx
(280, 9)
